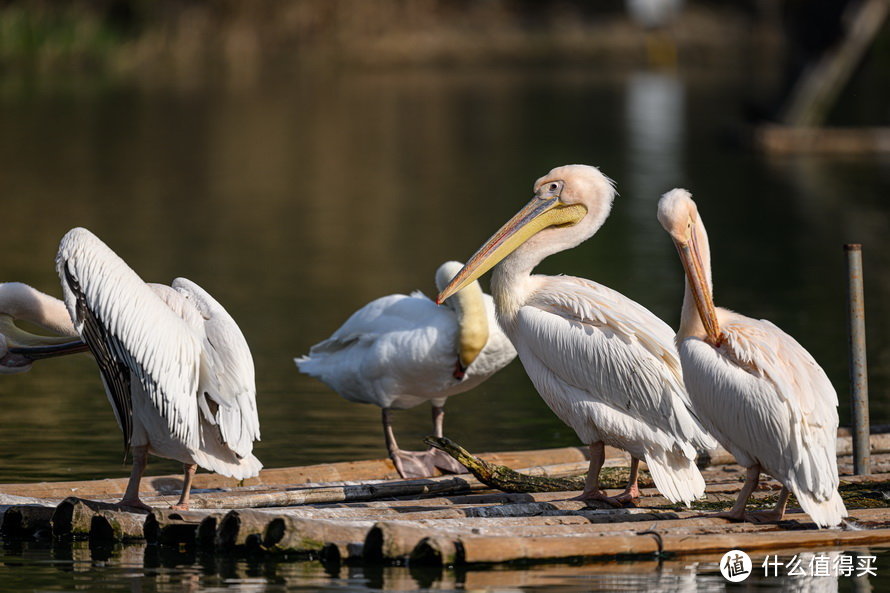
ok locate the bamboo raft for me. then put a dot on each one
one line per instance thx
(361, 511)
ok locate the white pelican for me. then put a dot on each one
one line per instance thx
(20, 348)
(176, 368)
(399, 351)
(753, 386)
(603, 363)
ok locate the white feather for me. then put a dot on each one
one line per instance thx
(399, 351)
(608, 368)
(179, 347)
(768, 402)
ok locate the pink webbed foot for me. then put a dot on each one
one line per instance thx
(423, 464)
(598, 496)
(133, 503)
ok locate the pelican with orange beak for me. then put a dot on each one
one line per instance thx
(603, 363)
(757, 390)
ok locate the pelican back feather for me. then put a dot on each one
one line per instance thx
(132, 333)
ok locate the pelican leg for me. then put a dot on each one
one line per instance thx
(592, 481)
(632, 492)
(438, 421)
(188, 471)
(777, 513)
(131, 496)
(409, 464)
(441, 459)
(737, 512)
(415, 464)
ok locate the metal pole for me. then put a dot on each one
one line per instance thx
(858, 366)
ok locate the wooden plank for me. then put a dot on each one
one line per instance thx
(784, 140)
(562, 461)
(27, 521)
(818, 88)
(171, 527)
(441, 549)
(298, 535)
(394, 539)
(74, 517)
(348, 471)
(317, 494)
(117, 526)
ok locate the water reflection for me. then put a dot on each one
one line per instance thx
(161, 570)
(296, 202)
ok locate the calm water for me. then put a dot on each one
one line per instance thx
(151, 570)
(295, 203)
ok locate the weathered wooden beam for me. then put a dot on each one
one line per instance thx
(347, 471)
(781, 140)
(818, 88)
(171, 527)
(26, 521)
(394, 540)
(340, 552)
(74, 517)
(116, 526)
(358, 492)
(302, 536)
(324, 474)
(240, 528)
(442, 549)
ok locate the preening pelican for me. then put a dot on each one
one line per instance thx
(753, 386)
(176, 368)
(20, 348)
(399, 351)
(603, 363)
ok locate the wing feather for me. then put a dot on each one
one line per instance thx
(227, 370)
(622, 355)
(127, 325)
(768, 401)
(114, 371)
(396, 351)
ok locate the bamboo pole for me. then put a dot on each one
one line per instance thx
(359, 492)
(347, 471)
(438, 486)
(112, 526)
(164, 488)
(241, 528)
(74, 517)
(334, 553)
(169, 527)
(299, 535)
(858, 364)
(207, 528)
(491, 549)
(395, 540)
(26, 521)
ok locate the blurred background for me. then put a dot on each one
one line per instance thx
(298, 158)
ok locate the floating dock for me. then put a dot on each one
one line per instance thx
(362, 511)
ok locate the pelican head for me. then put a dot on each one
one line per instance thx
(678, 214)
(19, 348)
(469, 307)
(570, 204)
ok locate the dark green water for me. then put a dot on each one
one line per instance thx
(298, 202)
(294, 203)
(152, 570)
